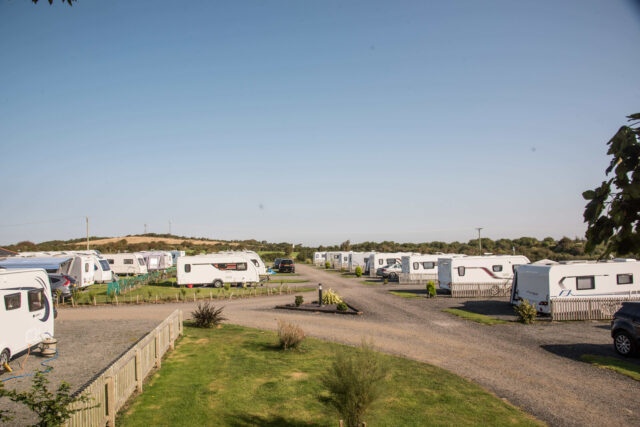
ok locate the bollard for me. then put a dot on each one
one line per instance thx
(320, 294)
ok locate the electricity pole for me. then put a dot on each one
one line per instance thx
(145, 229)
(87, 219)
(479, 239)
(169, 226)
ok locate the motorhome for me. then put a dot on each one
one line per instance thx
(575, 279)
(486, 270)
(216, 269)
(127, 263)
(358, 259)
(380, 259)
(157, 260)
(80, 267)
(421, 268)
(26, 311)
(319, 258)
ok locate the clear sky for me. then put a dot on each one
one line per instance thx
(310, 121)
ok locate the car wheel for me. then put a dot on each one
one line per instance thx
(624, 344)
(393, 277)
(217, 284)
(4, 358)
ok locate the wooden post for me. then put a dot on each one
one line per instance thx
(157, 346)
(111, 402)
(139, 373)
(180, 321)
(589, 307)
(176, 297)
(137, 302)
(171, 344)
(156, 298)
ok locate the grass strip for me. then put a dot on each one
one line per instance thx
(405, 294)
(475, 317)
(371, 282)
(630, 369)
(238, 376)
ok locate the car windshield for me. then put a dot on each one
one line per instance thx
(286, 262)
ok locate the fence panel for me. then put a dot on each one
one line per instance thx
(470, 290)
(124, 376)
(602, 308)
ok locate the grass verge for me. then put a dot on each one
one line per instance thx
(475, 317)
(237, 376)
(623, 367)
(405, 294)
(371, 282)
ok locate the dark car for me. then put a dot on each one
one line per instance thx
(63, 283)
(276, 263)
(286, 266)
(625, 328)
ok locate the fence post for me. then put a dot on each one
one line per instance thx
(180, 321)
(139, 373)
(157, 346)
(111, 402)
(171, 344)
(589, 307)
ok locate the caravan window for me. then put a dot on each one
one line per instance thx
(428, 265)
(140, 261)
(416, 265)
(187, 268)
(585, 282)
(380, 261)
(391, 261)
(625, 279)
(496, 268)
(95, 267)
(240, 266)
(36, 300)
(255, 262)
(86, 268)
(11, 302)
(110, 261)
(460, 271)
(128, 261)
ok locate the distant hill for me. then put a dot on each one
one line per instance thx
(133, 240)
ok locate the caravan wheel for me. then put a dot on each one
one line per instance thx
(4, 358)
(217, 284)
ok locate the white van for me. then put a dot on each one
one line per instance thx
(215, 270)
(26, 305)
(127, 263)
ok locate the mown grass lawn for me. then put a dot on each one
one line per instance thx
(630, 369)
(475, 317)
(236, 376)
(406, 294)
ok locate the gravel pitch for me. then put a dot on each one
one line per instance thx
(534, 367)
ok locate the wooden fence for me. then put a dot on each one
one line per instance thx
(466, 290)
(109, 391)
(416, 278)
(587, 308)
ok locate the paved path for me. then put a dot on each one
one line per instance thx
(532, 366)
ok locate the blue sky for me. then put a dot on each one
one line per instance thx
(310, 122)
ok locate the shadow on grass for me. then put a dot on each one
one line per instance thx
(488, 307)
(574, 351)
(421, 292)
(242, 420)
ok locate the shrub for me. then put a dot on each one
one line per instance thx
(206, 315)
(299, 300)
(355, 380)
(227, 286)
(358, 271)
(526, 312)
(289, 335)
(342, 306)
(327, 265)
(183, 292)
(330, 297)
(431, 289)
(386, 281)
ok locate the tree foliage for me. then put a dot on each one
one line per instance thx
(613, 210)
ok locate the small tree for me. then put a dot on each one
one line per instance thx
(526, 312)
(327, 265)
(355, 380)
(358, 271)
(431, 289)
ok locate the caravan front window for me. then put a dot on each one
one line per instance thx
(36, 300)
(255, 262)
(140, 261)
(12, 302)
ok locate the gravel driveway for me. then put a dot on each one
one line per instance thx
(532, 366)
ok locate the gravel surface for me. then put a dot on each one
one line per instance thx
(534, 367)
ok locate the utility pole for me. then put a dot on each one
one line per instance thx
(479, 239)
(87, 219)
(145, 229)
(169, 226)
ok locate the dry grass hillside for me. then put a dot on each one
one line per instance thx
(148, 239)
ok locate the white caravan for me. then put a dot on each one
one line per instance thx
(486, 270)
(157, 260)
(26, 310)
(215, 270)
(101, 271)
(80, 267)
(380, 259)
(575, 279)
(423, 267)
(175, 255)
(338, 259)
(358, 259)
(250, 256)
(127, 263)
(319, 258)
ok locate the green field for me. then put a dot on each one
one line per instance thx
(237, 376)
(474, 317)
